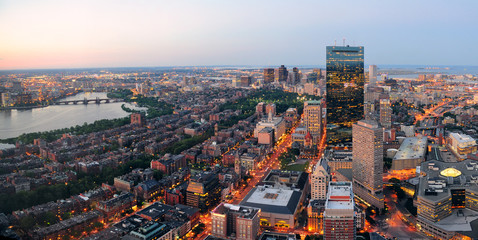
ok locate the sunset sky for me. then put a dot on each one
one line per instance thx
(117, 33)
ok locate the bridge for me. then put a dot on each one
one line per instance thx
(85, 101)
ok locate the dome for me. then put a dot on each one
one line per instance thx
(450, 172)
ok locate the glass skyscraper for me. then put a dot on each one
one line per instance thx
(345, 85)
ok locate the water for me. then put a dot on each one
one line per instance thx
(16, 122)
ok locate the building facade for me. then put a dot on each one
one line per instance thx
(319, 180)
(368, 162)
(385, 113)
(339, 214)
(313, 119)
(235, 220)
(345, 85)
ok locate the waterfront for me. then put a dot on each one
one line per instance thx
(16, 122)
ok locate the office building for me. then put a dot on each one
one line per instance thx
(276, 123)
(345, 85)
(372, 74)
(447, 199)
(268, 75)
(236, 221)
(279, 206)
(204, 191)
(461, 145)
(319, 180)
(385, 113)
(282, 74)
(246, 81)
(368, 162)
(339, 213)
(313, 119)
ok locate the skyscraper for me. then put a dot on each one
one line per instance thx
(268, 75)
(313, 119)
(372, 74)
(345, 85)
(283, 73)
(339, 214)
(319, 180)
(385, 113)
(368, 161)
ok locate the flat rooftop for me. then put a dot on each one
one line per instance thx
(462, 138)
(340, 196)
(273, 200)
(271, 196)
(412, 148)
(441, 177)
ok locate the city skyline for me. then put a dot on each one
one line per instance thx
(51, 35)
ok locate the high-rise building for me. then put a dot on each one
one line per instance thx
(268, 75)
(282, 73)
(246, 81)
(296, 75)
(234, 220)
(385, 113)
(319, 180)
(345, 85)
(339, 214)
(313, 119)
(368, 162)
(372, 74)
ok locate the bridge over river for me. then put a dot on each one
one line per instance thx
(85, 101)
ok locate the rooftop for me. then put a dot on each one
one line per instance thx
(340, 196)
(438, 178)
(412, 148)
(274, 200)
(461, 138)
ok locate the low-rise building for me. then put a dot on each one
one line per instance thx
(461, 145)
(410, 154)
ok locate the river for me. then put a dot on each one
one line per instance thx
(16, 122)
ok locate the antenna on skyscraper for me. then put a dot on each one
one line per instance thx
(335, 42)
(343, 41)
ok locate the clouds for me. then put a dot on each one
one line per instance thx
(52, 34)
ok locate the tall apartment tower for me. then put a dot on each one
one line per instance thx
(268, 75)
(385, 113)
(282, 73)
(345, 85)
(367, 162)
(372, 74)
(313, 119)
(319, 180)
(339, 214)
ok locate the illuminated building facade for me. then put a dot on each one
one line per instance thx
(385, 113)
(313, 119)
(204, 191)
(268, 75)
(462, 145)
(368, 162)
(345, 85)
